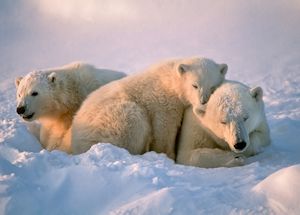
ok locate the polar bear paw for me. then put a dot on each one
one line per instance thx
(237, 160)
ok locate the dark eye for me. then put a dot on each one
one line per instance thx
(34, 93)
(245, 118)
(223, 122)
(195, 86)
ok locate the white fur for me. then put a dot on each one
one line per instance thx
(144, 111)
(59, 94)
(233, 114)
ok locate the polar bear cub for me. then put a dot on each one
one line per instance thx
(233, 126)
(52, 97)
(143, 112)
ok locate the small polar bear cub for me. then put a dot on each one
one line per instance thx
(233, 126)
(143, 112)
(204, 83)
(52, 97)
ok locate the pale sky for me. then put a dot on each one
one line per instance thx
(131, 34)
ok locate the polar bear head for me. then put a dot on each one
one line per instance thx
(233, 112)
(201, 77)
(35, 95)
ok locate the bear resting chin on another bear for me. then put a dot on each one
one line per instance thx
(181, 101)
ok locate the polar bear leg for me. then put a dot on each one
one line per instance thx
(210, 158)
(121, 123)
(164, 130)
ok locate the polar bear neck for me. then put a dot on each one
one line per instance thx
(65, 101)
(71, 100)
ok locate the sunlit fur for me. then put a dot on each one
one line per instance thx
(59, 94)
(144, 111)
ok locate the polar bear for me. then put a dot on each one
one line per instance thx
(52, 96)
(233, 126)
(143, 112)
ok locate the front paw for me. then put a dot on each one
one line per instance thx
(237, 160)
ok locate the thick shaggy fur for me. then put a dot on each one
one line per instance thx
(234, 126)
(52, 97)
(143, 112)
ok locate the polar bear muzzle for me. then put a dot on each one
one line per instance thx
(21, 110)
(240, 145)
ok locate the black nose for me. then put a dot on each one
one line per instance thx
(21, 110)
(240, 145)
(203, 101)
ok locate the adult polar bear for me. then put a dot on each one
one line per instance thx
(143, 112)
(233, 125)
(52, 97)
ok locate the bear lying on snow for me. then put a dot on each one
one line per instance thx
(234, 125)
(143, 112)
(53, 96)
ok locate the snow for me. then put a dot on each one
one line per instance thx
(259, 40)
(281, 188)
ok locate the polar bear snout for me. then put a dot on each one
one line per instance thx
(237, 136)
(204, 97)
(203, 101)
(21, 110)
(240, 145)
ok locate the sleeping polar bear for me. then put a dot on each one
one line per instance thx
(234, 125)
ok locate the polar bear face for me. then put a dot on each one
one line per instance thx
(34, 95)
(201, 77)
(233, 112)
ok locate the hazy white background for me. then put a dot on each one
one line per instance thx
(131, 34)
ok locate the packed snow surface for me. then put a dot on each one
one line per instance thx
(259, 40)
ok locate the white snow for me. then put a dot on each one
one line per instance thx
(259, 40)
(282, 189)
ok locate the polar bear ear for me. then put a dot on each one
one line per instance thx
(182, 68)
(257, 93)
(52, 77)
(18, 80)
(223, 69)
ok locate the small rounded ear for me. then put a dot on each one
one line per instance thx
(182, 68)
(18, 80)
(223, 69)
(52, 77)
(257, 93)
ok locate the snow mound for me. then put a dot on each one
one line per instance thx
(16, 135)
(108, 180)
(282, 190)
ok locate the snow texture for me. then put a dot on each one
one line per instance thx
(259, 40)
